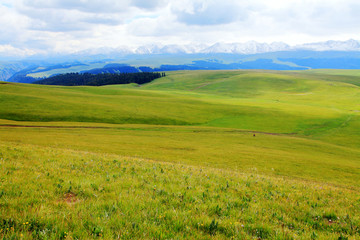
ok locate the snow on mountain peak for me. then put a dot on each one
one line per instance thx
(250, 47)
(349, 45)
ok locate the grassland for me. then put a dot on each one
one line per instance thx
(178, 159)
(53, 193)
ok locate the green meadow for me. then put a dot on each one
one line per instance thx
(193, 155)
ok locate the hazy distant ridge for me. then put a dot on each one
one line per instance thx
(250, 47)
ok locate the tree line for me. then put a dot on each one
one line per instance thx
(89, 79)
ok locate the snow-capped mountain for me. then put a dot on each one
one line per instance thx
(104, 51)
(149, 49)
(170, 49)
(349, 45)
(251, 47)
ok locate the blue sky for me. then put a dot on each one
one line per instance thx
(65, 26)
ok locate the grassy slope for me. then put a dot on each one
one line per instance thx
(318, 105)
(316, 114)
(226, 99)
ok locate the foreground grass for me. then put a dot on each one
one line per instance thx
(49, 193)
(224, 148)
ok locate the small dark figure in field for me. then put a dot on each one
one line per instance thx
(254, 135)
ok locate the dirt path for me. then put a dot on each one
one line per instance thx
(94, 127)
(35, 126)
(260, 132)
(252, 132)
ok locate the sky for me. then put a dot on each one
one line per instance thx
(66, 26)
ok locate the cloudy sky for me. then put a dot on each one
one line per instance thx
(63, 26)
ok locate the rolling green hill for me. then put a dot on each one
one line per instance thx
(283, 139)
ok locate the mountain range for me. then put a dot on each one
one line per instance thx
(250, 47)
(157, 57)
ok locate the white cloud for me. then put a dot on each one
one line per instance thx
(92, 6)
(12, 25)
(146, 4)
(10, 51)
(71, 25)
(211, 12)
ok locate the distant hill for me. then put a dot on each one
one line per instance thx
(113, 68)
(8, 69)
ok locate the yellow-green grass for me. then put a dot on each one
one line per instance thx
(285, 155)
(50, 193)
(337, 72)
(276, 104)
(279, 102)
(300, 170)
(292, 110)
